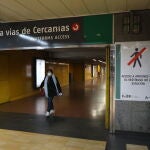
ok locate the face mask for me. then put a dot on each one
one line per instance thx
(49, 73)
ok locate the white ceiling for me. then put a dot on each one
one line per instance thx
(23, 10)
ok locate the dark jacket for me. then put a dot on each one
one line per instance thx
(51, 86)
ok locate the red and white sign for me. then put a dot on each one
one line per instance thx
(75, 27)
(135, 71)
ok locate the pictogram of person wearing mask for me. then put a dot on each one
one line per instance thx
(51, 88)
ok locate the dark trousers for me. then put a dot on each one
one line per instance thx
(50, 105)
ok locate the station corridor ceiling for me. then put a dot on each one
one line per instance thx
(26, 10)
(23, 10)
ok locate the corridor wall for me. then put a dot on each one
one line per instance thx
(16, 78)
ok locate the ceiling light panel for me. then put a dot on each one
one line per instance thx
(36, 8)
(96, 6)
(16, 7)
(116, 5)
(76, 6)
(137, 4)
(8, 16)
(57, 7)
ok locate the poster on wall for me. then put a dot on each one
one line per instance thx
(133, 71)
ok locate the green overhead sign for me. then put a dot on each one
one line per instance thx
(98, 29)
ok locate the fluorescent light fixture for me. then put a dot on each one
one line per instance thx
(102, 62)
(40, 47)
(94, 59)
(33, 39)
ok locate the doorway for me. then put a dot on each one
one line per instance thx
(83, 98)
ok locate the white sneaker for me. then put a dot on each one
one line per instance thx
(47, 114)
(52, 112)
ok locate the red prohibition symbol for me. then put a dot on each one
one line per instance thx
(134, 58)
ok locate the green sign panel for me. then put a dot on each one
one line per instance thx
(98, 29)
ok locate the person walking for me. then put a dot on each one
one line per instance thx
(52, 88)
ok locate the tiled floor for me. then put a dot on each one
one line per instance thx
(78, 124)
(136, 147)
(128, 141)
(18, 140)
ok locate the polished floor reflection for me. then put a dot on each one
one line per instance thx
(80, 113)
(84, 100)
